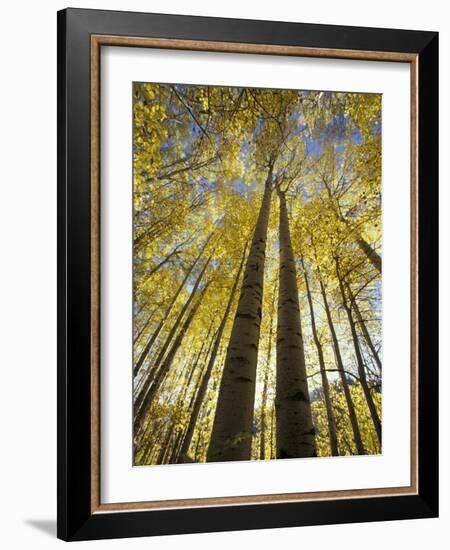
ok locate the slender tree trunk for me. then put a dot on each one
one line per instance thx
(145, 438)
(364, 328)
(212, 359)
(325, 385)
(340, 365)
(163, 262)
(171, 384)
(143, 451)
(231, 437)
(165, 447)
(165, 365)
(295, 429)
(272, 434)
(147, 450)
(176, 448)
(361, 367)
(184, 309)
(197, 362)
(150, 375)
(197, 446)
(155, 334)
(145, 325)
(156, 229)
(150, 230)
(262, 450)
(200, 377)
(372, 255)
(262, 442)
(193, 368)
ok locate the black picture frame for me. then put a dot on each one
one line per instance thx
(75, 518)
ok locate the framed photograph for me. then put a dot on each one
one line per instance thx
(247, 252)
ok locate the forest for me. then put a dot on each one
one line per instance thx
(257, 297)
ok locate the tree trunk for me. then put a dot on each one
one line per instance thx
(262, 442)
(145, 450)
(183, 393)
(145, 403)
(163, 262)
(176, 448)
(361, 367)
(262, 449)
(164, 447)
(155, 334)
(231, 437)
(295, 429)
(196, 363)
(174, 386)
(373, 257)
(272, 434)
(212, 359)
(184, 309)
(364, 328)
(145, 325)
(150, 375)
(325, 385)
(340, 365)
(200, 377)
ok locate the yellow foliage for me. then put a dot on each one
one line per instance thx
(200, 161)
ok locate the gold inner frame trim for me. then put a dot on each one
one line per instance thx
(97, 41)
